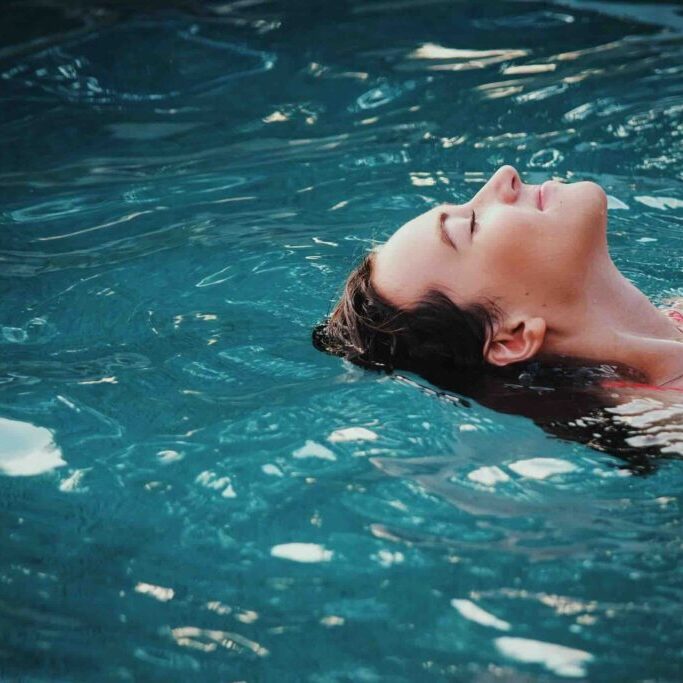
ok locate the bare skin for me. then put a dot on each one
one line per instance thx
(546, 266)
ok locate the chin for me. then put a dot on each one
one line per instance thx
(584, 204)
(592, 191)
(592, 199)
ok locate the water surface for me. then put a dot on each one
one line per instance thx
(189, 490)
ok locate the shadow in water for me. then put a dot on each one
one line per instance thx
(587, 405)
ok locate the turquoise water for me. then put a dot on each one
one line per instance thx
(189, 490)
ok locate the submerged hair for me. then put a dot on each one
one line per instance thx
(445, 343)
(434, 333)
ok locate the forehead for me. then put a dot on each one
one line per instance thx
(411, 261)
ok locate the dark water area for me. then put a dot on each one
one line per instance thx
(188, 489)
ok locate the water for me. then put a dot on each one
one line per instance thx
(190, 491)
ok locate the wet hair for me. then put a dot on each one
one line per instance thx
(444, 344)
(432, 335)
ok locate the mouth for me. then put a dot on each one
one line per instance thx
(539, 197)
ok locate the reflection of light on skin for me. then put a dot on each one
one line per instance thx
(26, 449)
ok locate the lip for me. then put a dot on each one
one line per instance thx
(539, 197)
(543, 194)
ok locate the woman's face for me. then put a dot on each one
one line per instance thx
(524, 256)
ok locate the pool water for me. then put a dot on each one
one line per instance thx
(189, 490)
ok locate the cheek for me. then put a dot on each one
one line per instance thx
(508, 247)
(524, 261)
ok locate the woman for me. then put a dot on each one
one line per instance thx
(518, 273)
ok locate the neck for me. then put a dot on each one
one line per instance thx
(615, 322)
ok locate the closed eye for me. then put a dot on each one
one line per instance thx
(443, 233)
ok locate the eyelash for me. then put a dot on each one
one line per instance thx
(473, 224)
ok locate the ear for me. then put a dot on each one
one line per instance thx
(515, 341)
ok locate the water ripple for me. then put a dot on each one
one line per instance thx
(74, 70)
(220, 494)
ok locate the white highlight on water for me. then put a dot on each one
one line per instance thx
(26, 449)
(73, 482)
(386, 558)
(488, 476)
(302, 552)
(475, 613)
(169, 456)
(212, 481)
(312, 449)
(561, 660)
(662, 203)
(272, 470)
(352, 434)
(541, 468)
(157, 592)
(614, 203)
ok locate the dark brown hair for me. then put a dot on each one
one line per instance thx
(434, 333)
(444, 344)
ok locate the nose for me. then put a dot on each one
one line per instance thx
(504, 185)
(507, 183)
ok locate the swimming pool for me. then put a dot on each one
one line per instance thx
(189, 490)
